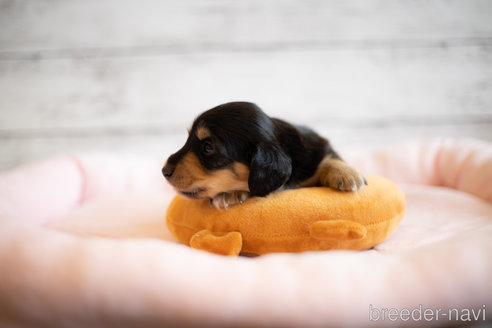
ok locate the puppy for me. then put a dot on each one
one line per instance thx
(235, 151)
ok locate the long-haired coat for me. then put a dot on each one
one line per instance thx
(235, 151)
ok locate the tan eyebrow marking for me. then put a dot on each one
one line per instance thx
(203, 133)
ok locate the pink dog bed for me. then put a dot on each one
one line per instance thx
(83, 243)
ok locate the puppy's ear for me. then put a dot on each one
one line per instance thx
(270, 168)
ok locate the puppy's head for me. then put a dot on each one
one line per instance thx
(231, 147)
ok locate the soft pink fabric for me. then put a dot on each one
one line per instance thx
(83, 244)
(464, 165)
(41, 191)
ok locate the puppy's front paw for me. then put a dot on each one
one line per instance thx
(228, 199)
(339, 176)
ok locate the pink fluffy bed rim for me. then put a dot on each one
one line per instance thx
(83, 243)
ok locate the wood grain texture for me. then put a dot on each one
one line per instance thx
(168, 92)
(75, 24)
(131, 75)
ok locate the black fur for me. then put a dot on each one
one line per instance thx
(277, 153)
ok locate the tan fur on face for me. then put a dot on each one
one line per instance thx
(190, 175)
(202, 133)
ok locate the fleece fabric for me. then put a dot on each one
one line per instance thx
(84, 243)
(306, 219)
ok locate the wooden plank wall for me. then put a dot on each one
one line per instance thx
(122, 75)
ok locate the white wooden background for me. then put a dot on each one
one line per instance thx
(122, 75)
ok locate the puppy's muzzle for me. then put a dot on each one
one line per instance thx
(168, 171)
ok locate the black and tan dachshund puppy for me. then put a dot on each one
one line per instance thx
(235, 151)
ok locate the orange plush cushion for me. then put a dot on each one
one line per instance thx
(295, 220)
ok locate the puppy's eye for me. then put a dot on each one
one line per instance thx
(208, 148)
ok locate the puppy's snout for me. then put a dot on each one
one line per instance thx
(168, 170)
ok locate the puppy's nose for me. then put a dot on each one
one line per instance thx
(168, 170)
